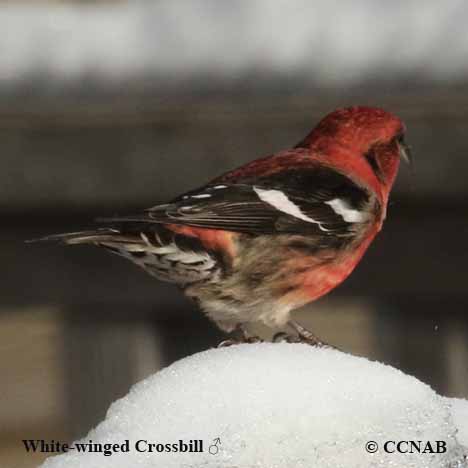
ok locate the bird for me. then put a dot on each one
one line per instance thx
(277, 233)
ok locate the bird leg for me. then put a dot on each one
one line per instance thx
(245, 337)
(304, 336)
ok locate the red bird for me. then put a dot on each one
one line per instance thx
(281, 231)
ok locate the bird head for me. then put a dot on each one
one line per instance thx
(366, 140)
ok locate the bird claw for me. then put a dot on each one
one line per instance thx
(244, 338)
(303, 336)
(281, 337)
(312, 342)
(231, 342)
(252, 339)
(226, 343)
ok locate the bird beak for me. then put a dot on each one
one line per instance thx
(405, 153)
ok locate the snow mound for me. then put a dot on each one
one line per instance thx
(164, 41)
(275, 406)
(459, 409)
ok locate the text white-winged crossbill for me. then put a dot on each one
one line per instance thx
(275, 234)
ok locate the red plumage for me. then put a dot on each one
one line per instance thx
(277, 233)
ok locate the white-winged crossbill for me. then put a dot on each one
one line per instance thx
(281, 231)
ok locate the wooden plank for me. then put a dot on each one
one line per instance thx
(116, 154)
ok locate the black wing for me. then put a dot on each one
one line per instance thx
(317, 201)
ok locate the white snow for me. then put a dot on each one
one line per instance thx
(459, 408)
(277, 406)
(323, 42)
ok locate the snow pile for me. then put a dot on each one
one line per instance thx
(459, 410)
(276, 406)
(321, 41)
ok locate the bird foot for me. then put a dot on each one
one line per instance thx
(230, 342)
(245, 337)
(287, 338)
(244, 340)
(311, 341)
(303, 336)
(281, 337)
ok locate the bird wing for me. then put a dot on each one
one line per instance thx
(317, 201)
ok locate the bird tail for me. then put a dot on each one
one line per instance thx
(96, 236)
